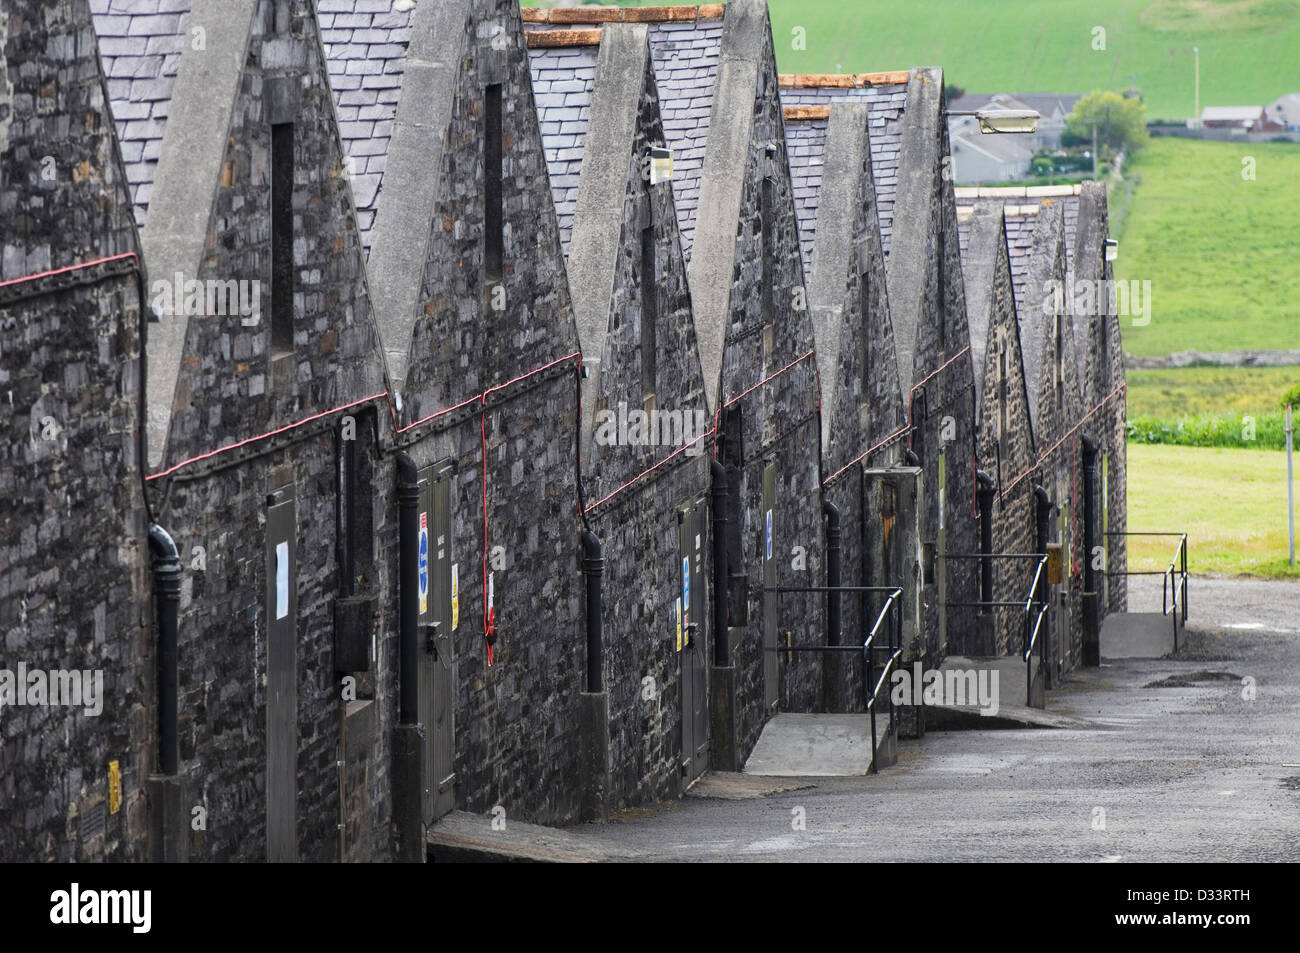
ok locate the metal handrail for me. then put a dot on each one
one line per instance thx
(895, 648)
(1173, 578)
(1031, 636)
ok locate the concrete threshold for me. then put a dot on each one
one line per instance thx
(460, 837)
(796, 745)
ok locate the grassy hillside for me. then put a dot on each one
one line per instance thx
(1243, 532)
(1250, 49)
(1218, 249)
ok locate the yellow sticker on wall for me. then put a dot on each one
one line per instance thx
(114, 787)
(679, 623)
(455, 598)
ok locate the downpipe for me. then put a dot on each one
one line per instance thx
(593, 569)
(721, 571)
(167, 593)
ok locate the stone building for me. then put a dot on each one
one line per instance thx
(483, 351)
(1006, 439)
(75, 728)
(1077, 412)
(918, 227)
(830, 152)
(646, 430)
(265, 381)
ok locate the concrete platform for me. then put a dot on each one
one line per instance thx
(818, 746)
(1010, 685)
(1137, 635)
(460, 837)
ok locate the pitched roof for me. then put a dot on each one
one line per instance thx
(886, 95)
(685, 43)
(366, 42)
(1021, 205)
(563, 80)
(140, 48)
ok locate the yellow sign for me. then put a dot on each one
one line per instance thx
(679, 623)
(114, 787)
(455, 598)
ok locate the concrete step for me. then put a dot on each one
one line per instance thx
(1000, 678)
(797, 745)
(460, 837)
(1138, 635)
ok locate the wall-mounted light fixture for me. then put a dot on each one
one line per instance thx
(1112, 249)
(1002, 120)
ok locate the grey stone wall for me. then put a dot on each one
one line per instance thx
(516, 721)
(232, 386)
(74, 587)
(1057, 435)
(1006, 444)
(776, 422)
(1100, 339)
(639, 527)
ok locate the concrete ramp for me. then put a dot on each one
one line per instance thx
(1137, 635)
(819, 745)
(1007, 689)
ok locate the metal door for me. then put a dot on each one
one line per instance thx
(281, 678)
(437, 660)
(693, 644)
(771, 675)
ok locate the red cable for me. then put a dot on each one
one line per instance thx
(1065, 436)
(68, 268)
(263, 436)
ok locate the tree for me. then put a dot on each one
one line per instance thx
(1118, 122)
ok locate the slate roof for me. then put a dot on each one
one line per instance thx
(1021, 207)
(365, 47)
(886, 102)
(805, 142)
(685, 50)
(140, 43)
(563, 80)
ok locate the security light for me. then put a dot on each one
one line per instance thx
(1007, 120)
(1112, 249)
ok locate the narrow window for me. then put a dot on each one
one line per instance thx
(767, 250)
(649, 312)
(1060, 366)
(1002, 388)
(493, 239)
(282, 238)
(941, 295)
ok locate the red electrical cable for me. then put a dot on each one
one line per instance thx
(263, 436)
(69, 268)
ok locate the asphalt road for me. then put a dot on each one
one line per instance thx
(1190, 769)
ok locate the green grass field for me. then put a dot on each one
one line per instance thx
(1181, 391)
(1219, 250)
(1249, 48)
(1231, 503)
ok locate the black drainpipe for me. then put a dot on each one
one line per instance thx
(167, 591)
(1042, 519)
(1089, 512)
(721, 571)
(593, 567)
(832, 571)
(408, 506)
(985, 498)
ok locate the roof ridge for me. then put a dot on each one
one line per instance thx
(844, 80)
(550, 39)
(614, 14)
